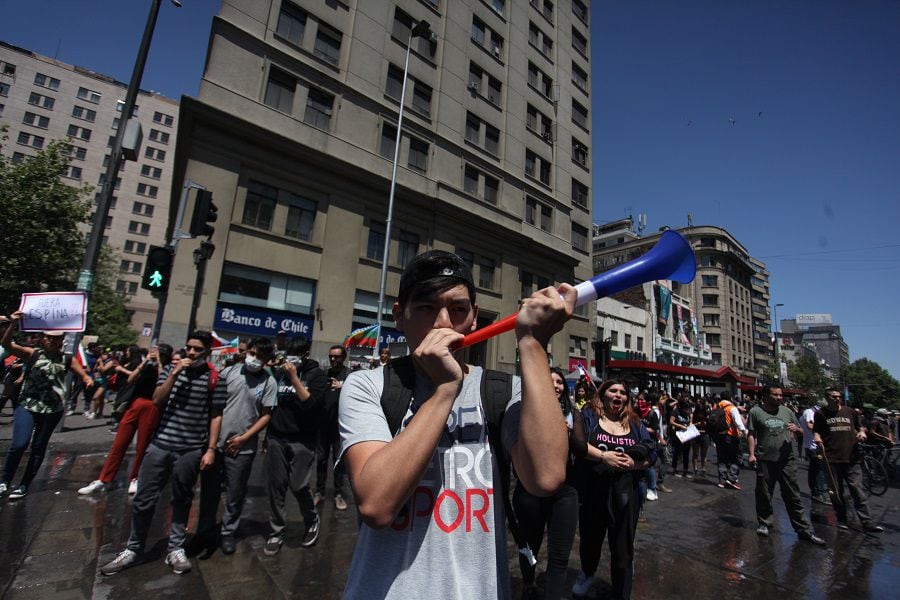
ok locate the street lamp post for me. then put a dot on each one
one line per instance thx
(421, 29)
(92, 252)
(777, 357)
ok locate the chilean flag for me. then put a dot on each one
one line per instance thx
(584, 374)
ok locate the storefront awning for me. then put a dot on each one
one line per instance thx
(722, 374)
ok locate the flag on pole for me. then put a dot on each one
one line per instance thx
(587, 377)
(80, 356)
(364, 337)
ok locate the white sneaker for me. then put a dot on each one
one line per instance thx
(92, 487)
(132, 487)
(652, 496)
(582, 585)
(3, 488)
(123, 560)
(179, 562)
(88, 415)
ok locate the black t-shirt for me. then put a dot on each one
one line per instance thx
(295, 420)
(145, 384)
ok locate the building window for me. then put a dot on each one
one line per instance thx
(579, 114)
(474, 180)
(85, 114)
(403, 25)
(150, 191)
(159, 136)
(280, 91)
(155, 153)
(133, 247)
(710, 280)
(120, 106)
(388, 141)
(418, 155)
(580, 10)
(407, 247)
(138, 228)
(470, 180)
(579, 193)
(26, 139)
(540, 81)
(77, 152)
(539, 123)
(89, 95)
(39, 121)
(710, 299)
(476, 84)
(259, 206)
(4, 89)
(151, 172)
(710, 320)
(41, 100)
(538, 214)
(491, 189)
(486, 268)
(393, 87)
(126, 287)
(291, 23)
(318, 108)
(640, 344)
(162, 119)
(51, 83)
(328, 44)
(474, 127)
(142, 208)
(580, 78)
(81, 133)
(579, 42)
(421, 101)
(115, 123)
(537, 167)
(540, 40)
(579, 153)
(255, 287)
(628, 341)
(488, 39)
(72, 172)
(375, 242)
(300, 219)
(614, 337)
(579, 237)
(714, 339)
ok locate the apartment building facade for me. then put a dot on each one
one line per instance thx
(42, 99)
(293, 131)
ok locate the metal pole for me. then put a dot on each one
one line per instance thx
(777, 357)
(419, 29)
(201, 255)
(92, 252)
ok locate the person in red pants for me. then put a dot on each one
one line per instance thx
(141, 417)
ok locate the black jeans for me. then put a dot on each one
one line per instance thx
(559, 515)
(595, 523)
(682, 451)
(289, 464)
(328, 445)
(728, 450)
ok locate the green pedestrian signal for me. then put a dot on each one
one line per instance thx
(158, 269)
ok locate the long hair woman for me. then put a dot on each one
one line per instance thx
(618, 449)
(558, 514)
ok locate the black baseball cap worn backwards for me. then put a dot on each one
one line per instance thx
(434, 265)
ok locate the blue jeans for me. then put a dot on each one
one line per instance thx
(26, 423)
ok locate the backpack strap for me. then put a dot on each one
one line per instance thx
(396, 394)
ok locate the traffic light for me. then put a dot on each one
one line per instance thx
(205, 212)
(158, 269)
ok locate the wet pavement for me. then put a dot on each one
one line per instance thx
(698, 542)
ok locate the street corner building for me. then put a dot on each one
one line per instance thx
(293, 131)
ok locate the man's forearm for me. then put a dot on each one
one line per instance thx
(389, 476)
(542, 446)
(215, 426)
(161, 393)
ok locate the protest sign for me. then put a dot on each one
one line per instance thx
(53, 311)
(688, 434)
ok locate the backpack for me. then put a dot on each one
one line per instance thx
(496, 390)
(717, 423)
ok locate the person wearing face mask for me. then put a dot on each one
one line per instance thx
(252, 394)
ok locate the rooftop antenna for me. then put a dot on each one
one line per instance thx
(642, 223)
(690, 220)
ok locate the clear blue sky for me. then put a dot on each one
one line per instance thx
(810, 185)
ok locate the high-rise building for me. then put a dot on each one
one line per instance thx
(294, 129)
(726, 305)
(42, 99)
(817, 331)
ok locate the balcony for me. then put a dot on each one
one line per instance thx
(668, 345)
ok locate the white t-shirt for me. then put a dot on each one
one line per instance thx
(450, 540)
(808, 416)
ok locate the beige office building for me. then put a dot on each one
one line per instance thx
(728, 297)
(42, 99)
(293, 132)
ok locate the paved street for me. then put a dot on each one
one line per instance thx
(698, 542)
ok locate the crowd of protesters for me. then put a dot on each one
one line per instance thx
(195, 422)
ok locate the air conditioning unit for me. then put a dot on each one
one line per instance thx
(548, 136)
(497, 51)
(473, 86)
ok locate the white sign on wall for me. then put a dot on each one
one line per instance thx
(813, 319)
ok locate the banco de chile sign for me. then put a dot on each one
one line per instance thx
(256, 321)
